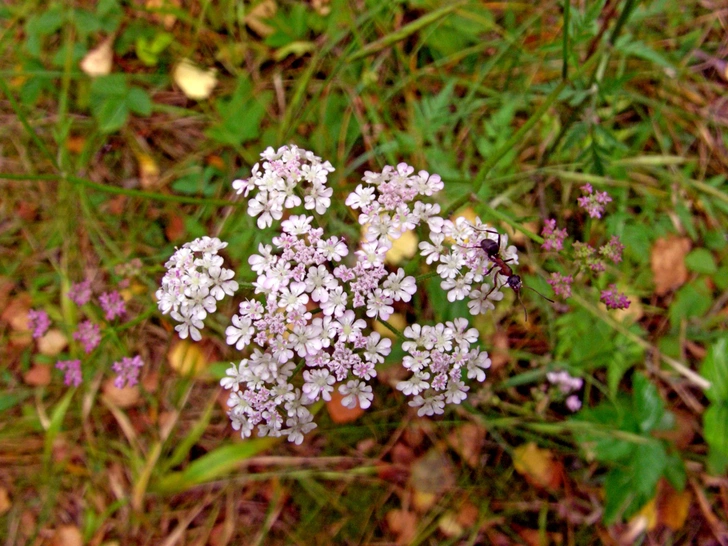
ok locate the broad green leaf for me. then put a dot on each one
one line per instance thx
(648, 463)
(701, 260)
(113, 85)
(692, 300)
(619, 494)
(139, 102)
(111, 114)
(675, 471)
(715, 425)
(648, 405)
(715, 370)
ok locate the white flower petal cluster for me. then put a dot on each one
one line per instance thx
(437, 357)
(307, 330)
(195, 281)
(278, 180)
(464, 267)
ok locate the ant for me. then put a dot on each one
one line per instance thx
(492, 250)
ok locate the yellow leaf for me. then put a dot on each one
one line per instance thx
(194, 82)
(403, 248)
(99, 60)
(186, 358)
(537, 465)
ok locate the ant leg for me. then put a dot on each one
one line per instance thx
(495, 285)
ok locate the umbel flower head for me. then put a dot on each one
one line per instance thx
(308, 327)
(195, 281)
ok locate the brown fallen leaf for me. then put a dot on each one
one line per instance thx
(431, 475)
(5, 503)
(674, 506)
(667, 260)
(340, 414)
(122, 398)
(257, 15)
(403, 524)
(538, 466)
(52, 343)
(38, 376)
(467, 441)
(67, 535)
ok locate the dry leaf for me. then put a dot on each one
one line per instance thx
(254, 19)
(98, 61)
(175, 229)
(122, 398)
(403, 524)
(668, 263)
(38, 376)
(75, 144)
(402, 249)
(52, 343)
(187, 358)
(340, 414)
(674, 507)
(449, 525)
(16, 313)
(467, 441)
(5, 503)
(537, 466)
(196, 83)
(167, 19)
(432, 473)
(148, 171)
(67, 535)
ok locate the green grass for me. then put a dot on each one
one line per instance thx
(515, 115)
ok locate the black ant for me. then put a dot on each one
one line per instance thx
(492, 249)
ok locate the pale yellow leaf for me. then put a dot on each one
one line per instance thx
(402, 249)
(98, 61)
(196, 83)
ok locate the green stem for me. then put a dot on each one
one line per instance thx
(565, 50)
(394, 330)
(694, 378)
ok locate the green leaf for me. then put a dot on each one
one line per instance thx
(715, 370)
(701, 260)
(648, 463)
(214, 465)
(9, 400)
(139, 102)
(113, 85)
(692, 300)
(675, 471)
(111, 114)
(715, 425)
(648, 405)
(619, 494)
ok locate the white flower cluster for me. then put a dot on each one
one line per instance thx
(437, 357)
(465, 268)
(308, 330)
(332, 346)
(285, 171)
(195, 281)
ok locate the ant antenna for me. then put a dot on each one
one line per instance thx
(540, 294)
(525, 313)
